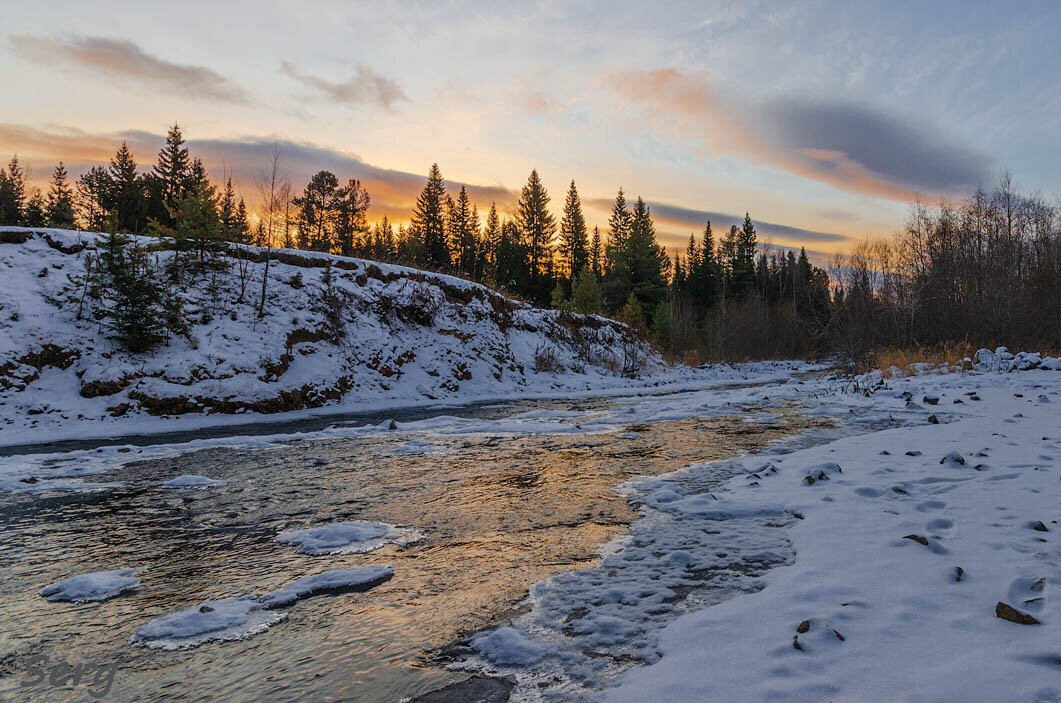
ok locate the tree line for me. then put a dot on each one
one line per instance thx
(986, 270)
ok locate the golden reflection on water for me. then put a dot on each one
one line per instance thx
(497, 514)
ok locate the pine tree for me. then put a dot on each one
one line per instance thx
(94, 193)
(12, 193)
(128, 196)
(35, 213)
(60, 208)
(318, 212)
(351, 219)
(428, 222)
(573, 236)
(536, 224)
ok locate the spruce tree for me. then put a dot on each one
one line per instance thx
(35, 213)
(586, 295)
(742, 266)
(596, 254)
(463, 233)
(12, 193)
(647, 260)
(536, 224)
(574, 245)
(60, 208)
(170, 176)
(128, 196)
(491, 237)
(134, 313)
(94, 193)
(428, 222)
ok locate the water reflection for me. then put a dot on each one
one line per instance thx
(497, 514)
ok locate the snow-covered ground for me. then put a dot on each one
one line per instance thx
(910, 554)
(408, 338)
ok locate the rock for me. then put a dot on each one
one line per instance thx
(958, 573)
(930, 400)
(1039, 526)
(917, 538)
(974, 397)
(809, 480)
(885, 452)
(803, 627)
(205, 609)
(28, 479)
(959, 401)
(933, 420)
(798, 516)
(1018, 395)
(953, 458)
(320, 461)
(913, 453)
(393, 425)
(796, 644)
(1008, 612)
(901, 491)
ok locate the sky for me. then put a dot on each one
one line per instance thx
(822, 119)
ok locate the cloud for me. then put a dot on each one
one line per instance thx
(365, 87)
(124, 59)
(720, 222)
(393, 192)
(854, 147)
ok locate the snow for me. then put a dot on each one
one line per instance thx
(190, 481)
(507, 646)
(347, 537)
(241, 617)
(92, 586)
(60, 377)
(745, 581)
(359, 577)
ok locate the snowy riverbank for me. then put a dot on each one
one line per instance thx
(877, 564)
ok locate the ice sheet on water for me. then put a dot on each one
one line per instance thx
(92, 586)
(340, 579)
(355, 537)
(191, 481)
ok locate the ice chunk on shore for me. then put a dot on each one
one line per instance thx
(508, 647)
(191, 481)
(225, 619)
(347, 537)
(92, 586)
(357, 578)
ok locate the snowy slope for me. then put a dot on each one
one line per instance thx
(409, 337)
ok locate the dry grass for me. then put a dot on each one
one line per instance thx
(951, 353)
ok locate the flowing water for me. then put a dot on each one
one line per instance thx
(497, 513)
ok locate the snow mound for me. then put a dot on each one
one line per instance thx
(92, 586)
(347, 537)
(357, 578)
(191, 481)
(221, 620)
(508, 647)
